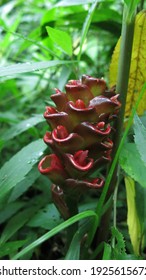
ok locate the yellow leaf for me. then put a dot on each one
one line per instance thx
(134, 226)
(138, 66)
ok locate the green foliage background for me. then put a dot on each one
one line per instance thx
(43, 44)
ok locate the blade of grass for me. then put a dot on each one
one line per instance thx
(86, 27)
(30, 67)
(32, 41)
(56, 230)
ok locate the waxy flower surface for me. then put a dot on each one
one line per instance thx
(79, 135)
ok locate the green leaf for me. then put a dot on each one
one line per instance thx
(11, 247)
(107, 252)
(4, 45)
(21, 218)
(141, 207)
(16, 222)
(74, 249)
(30, 67)
(132, 218)
(19, 165)
(21, 127)
(10, 209)
(140, 138)
(86, 25)
(132, 164)
(131, 5)
(118, 251)
(65, 3)
(24, 185)
(8, 117)
(64, 77)
(47, 218)
(141, 211)
(56, 230)
(61, 38)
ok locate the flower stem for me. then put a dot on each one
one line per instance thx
(121, 88)
(124, 66)
(72, 204)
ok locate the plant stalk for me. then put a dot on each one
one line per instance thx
(72, 204)
(121, 88)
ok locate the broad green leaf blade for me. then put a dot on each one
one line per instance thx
(140, 138)
(61, 39)
(16, 223)
(8, 117)
(19, 165)
(47, 218)
(21, 127)
(30, 67)
(74, 249)
(11, 247)
(132, 164)
(132, 218)
(10, 209)
(55, 230)
(24, 185)
(21, 218)
(86, 26)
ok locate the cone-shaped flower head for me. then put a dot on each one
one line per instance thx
(80, 136)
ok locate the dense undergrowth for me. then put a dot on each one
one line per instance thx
(43, 44)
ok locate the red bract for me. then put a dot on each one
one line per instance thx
(52, 167)
(78, 164)
(80, 136)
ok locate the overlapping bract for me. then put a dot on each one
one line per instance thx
(80, 134)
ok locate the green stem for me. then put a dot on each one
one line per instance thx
(115, 206)
(141, 5)
(122, 86)
(124, 66)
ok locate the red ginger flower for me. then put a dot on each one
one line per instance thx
(80, 134)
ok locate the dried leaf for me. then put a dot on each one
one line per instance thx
(133, 221)
(138, 66)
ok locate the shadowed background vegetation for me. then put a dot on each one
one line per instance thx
(43, 44)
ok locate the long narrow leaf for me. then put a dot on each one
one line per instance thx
(19, 165)
(55, 230)
(21, 127)
(30, 67)
(86, 26)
